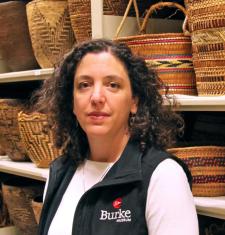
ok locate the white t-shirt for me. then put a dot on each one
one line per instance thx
(170, 208)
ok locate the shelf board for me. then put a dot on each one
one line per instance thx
(198, 103)
(25, 169)
(22, 76)
(211, 206)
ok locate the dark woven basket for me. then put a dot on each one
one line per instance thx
(15, 43)
(18, 194)
(207, 166)
(9, 131)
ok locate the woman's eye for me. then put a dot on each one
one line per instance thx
(114, 85)
(83, 85)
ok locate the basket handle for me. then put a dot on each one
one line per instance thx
(159, 6)
(125, 16)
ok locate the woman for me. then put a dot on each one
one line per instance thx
(114, 176)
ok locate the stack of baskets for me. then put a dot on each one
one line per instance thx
(207, 166)
(207, 26)
(169, 54)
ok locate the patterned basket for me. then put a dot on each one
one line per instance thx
(37, 138)
(9, 131)
(207, 166)
(80, 14)
(50, 30)
(15, 43)
(37, 204)
(18, 194)
(169, 54)
(207, 26)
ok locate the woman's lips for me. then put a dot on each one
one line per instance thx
(98, 115)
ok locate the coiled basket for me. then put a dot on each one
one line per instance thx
(207, 166)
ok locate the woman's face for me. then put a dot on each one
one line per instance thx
(102, 95)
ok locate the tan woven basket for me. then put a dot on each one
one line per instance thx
(80, 14)
(207, 166)
(50, 30)
(18, 194)
(9, 131)
(207, 25)
(37, 138)
(15, 43)
(169, 54)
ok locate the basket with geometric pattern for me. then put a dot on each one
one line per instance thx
(206, 20)
(50, 30)
(207, 166)
(37, 138)
(168, 53)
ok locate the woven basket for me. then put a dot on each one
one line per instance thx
(37, 138)
(80, 14)
(50, 30)
(207, 166)
(9, 131)
(169, 54)
(207, 26)
(15, 43)
(37, 204)
(18, 194)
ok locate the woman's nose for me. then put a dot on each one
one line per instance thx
(97, 95)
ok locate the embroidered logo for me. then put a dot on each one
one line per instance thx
(119, 216)
(117, 203)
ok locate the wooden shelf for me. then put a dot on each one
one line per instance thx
(211, 206)
(30, 75)
(25, 169)
(185, 102)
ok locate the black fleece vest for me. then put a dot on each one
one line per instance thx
(114, 206)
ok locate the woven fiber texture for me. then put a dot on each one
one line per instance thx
(169, 54)
(207, 25)
(37, 204)
(15, 43)
(18, 195)
(207, 166)
(37, 138)
(80, 14)
(9, 131)
(50, 30)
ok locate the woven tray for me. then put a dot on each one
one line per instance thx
(37, 138)
(207, 166)
(50, 30)
(169, 54)
(207, 25)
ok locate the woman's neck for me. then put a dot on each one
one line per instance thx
(107, 150)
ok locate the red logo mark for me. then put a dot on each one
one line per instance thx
(117, 203)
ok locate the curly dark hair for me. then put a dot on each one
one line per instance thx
(154, 124)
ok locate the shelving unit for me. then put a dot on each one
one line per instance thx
(208, 206)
